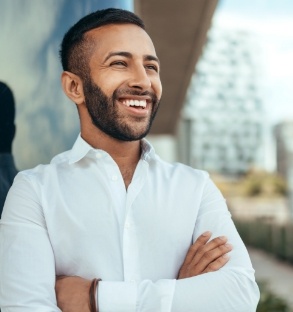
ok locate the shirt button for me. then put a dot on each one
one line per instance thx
(114, 178)
(99, 155)
(132, 281)
(127, 225)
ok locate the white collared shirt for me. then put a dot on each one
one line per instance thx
(74, 217)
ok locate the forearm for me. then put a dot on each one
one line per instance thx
(225, 290)
(230, 289)
(134, 297)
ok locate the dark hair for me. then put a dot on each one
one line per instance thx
(7, 114)
(75, 47)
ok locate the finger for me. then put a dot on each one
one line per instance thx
(201, 241)
(202, 261)
(217, 264)
(211, 245)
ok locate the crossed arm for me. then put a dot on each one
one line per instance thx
(203, 256)
(28, 269)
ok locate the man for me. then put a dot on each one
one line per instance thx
(110, 208)
(7, 132)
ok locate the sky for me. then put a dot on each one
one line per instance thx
(271, 21)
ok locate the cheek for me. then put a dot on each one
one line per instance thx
(157, 86)
(108, 83)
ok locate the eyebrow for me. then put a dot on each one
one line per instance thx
(129, 55)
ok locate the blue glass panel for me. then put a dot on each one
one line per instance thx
(31, 32)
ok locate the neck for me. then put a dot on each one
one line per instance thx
(125, 154)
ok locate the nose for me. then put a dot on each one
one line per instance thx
(139, 78)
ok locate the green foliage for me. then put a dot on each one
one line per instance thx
(255, 183)
(259, 183)
(269, 302)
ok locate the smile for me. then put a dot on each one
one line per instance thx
(135, 103)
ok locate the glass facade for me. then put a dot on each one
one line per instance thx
(30, 36)
(122, 4)
(223, 108)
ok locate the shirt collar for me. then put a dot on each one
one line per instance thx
(81, 148)
(147, 150)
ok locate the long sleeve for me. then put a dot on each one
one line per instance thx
(230, 289)
(64, 220)
(27, 270)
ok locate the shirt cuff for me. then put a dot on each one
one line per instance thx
(132, 297)
(117, 296)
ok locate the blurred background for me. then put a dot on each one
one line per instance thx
(227, 74)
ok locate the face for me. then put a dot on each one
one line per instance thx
(123, 89)
(105, 113)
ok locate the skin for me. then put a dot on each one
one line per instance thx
(118, 64)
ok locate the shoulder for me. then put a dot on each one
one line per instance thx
(180, 171)
(42, 171)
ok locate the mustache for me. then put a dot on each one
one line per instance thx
(122, 92)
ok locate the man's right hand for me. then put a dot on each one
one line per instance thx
(203, 256)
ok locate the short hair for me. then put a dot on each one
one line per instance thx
(75, 47)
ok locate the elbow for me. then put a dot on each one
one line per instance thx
(252, 297)
(248, 295)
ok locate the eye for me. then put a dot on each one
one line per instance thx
(118, 64)
(152, 67)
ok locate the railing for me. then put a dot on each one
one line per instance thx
(273, 238)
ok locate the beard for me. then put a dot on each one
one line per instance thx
(105, 114)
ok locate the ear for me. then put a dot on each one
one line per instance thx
(72, 87)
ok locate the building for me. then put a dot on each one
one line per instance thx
(284, 147)
(32, 67)
(223, 121)
(284, 155)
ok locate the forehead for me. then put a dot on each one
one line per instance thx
(121, 37)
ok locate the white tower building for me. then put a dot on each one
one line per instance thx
(223, 120)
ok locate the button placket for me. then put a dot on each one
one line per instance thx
(99, 155)
(130, 251)
(130, 243)
(114, 177)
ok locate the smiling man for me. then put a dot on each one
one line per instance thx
(108, 225)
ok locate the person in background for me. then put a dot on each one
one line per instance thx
(7, 133)
(121, 229)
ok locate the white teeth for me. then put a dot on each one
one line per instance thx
(135, 103)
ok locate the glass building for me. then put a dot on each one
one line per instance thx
(223, 118)
(284, 150)
(30, 37)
